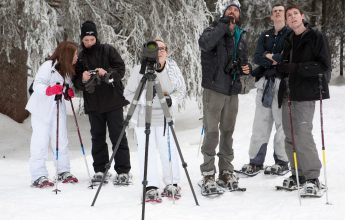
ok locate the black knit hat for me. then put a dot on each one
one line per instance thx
(88, 28)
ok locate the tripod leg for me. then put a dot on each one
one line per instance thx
(148, 116)
(170, 123)
(125, 124)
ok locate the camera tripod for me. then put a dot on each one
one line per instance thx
(148, 78)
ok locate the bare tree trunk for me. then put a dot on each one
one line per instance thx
(323, 15)
(341, 57)
(313, 9)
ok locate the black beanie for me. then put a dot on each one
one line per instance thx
(88, 28)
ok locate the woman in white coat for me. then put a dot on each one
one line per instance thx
(50, 81)
(174, 88)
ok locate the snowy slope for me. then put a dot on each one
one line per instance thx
(261, 201)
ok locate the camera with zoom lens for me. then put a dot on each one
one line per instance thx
(149, 58)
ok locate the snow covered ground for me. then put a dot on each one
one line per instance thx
(19, 201)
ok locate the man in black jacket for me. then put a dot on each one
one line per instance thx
(307, 56)
(223, 59)
(99, 71)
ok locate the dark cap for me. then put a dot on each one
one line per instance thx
(88, 28)
(235, 3)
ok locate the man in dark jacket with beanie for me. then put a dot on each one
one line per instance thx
(223, 59)
(307, 57)
(99, 71)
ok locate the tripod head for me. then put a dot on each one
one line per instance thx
(149, 58)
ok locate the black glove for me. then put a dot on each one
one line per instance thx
(227, 19)
(287, 67)
(168, 100)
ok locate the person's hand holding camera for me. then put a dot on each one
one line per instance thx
(101, 71)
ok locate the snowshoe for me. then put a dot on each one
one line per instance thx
(249, 170)
(42, 182)
(67, 177)
(229, 181)
(209, 186)
(276, 169)
(290, 183)
(172, 191)
(123, 179)
(152, 196)
(313, 188)
(97, 178)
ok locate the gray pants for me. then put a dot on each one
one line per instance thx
(220, 113)
(309, 164)
(262, 126)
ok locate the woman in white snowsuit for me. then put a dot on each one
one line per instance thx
(174, 89)
(50, 80)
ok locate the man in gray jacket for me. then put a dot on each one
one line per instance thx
(223, 59)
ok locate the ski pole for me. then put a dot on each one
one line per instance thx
(80, 140)
(294, 148)
(323, 141)
(57, 99)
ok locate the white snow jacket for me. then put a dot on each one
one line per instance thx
(39, 103)
(172, 83)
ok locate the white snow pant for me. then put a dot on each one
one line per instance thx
(171, 175)
(262, 127)
(42, 134)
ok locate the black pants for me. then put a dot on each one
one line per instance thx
(114, 121)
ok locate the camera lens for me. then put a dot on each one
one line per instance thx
(151, 46)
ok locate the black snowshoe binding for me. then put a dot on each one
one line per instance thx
(123, 179)
(42, 182)
(313, 188)
(67, 177)
(172, 191)
(209, 186)
(290, 183)
(229, 181)
(277, 169)
(152, 196)
(97, 178)
(249, 170)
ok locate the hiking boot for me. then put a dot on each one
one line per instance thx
(97, 177)
(67, 177)
(42, 182)
(228, 179)
(251, 168)
(291, 182)
(279, 169)
(152, 195)
(172, 191)
(312, 187)
(123, 179)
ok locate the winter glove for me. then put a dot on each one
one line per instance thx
(227, 19)
(54, 90)
(168, 100)
(287, 67)
(68, 94)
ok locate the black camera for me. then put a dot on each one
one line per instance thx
(232, 67)
(149, 58)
